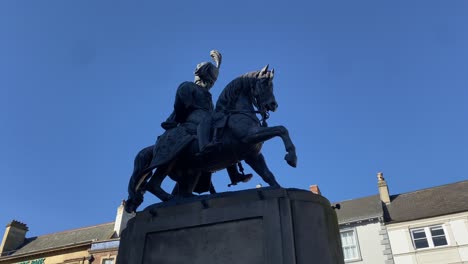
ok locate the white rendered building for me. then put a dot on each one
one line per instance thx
(428, 226)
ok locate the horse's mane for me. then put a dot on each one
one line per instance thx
(233, 90)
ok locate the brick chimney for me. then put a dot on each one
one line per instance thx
(315, 189)
(14, 236)
(121, 219)
(383, 188)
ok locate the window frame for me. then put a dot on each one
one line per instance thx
(104, 259)
(429, 236)
(358, 249)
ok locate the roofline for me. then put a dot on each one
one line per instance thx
(75, 229)
(428, 188)
(45, 251)
(349, 200)
(368, 196)
(63, 247)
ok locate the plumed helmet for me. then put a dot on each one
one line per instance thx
(206, 70)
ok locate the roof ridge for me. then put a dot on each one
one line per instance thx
(71, 230)
(429, 188)
(353, 199)
(404, 193)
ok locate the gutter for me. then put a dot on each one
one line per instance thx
(45, 251)
(358, 221)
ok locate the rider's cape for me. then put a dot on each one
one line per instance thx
(169, 145)
(173, 141)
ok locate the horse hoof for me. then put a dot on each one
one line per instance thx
(291, 159)
(130, 207)
(166, 198)
(275, 185)
(188, 195)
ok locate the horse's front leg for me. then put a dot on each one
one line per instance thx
(260, 134)
(259, 165)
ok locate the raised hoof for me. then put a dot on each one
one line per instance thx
(291, 159)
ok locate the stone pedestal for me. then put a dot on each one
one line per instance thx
(263, 225)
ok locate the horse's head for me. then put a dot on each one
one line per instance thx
(263, 90)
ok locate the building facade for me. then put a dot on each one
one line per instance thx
(430, 226)
(363, 232)
(89, 245)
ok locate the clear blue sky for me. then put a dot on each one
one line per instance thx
(362, 86)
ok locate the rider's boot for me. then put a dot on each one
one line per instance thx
(236, 176)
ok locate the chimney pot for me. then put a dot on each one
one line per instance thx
(383, 188)
(315, 189)
(121, 219)
(15, 234)
(19, 225)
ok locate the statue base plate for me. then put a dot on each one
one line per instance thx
(266, 225)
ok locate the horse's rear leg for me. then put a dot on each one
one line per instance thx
(259, 165)
(176, 191)
(185, 187)
(154, 184)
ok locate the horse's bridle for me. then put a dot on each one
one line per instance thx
(265, 115)
(263, 112)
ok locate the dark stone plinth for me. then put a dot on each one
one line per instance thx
(264, 225)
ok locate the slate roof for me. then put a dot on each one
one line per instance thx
(431, 202)
(436, 201)
(66, 238)
(359, 209)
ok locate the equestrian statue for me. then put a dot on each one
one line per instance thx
(200, 139)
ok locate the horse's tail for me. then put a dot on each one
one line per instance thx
(142, 162)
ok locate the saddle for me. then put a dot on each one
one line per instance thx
(210, 131)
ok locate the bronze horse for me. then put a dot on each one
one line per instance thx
(241, 138)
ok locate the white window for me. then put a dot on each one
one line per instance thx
(428, 237)
(108, 261)
(350, 245)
